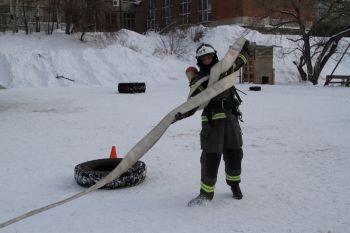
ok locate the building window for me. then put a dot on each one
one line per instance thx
(166, 12)
(129, 21)
(151, 16)
(204, 10)
(111, 18)
(185, 11)
(115, 3)
(114, 18)
(2, 20)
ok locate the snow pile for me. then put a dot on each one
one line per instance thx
(36, 60)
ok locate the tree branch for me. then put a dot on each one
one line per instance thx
(283, 12)
(281, 24)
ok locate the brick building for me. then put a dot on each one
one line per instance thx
(120, 14)
(36, 12)
(143, 15)
(4, 13)
(104, 15)
(163, 14)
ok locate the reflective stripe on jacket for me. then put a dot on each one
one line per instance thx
(216, 116)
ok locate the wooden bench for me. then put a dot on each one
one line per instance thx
(343, 80)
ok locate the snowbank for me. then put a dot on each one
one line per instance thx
(36, 60)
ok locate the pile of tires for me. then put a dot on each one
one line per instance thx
(131, 87)
(89, 173)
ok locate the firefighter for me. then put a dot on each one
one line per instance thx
(221, 132)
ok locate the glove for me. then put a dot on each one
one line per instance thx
(191, 72)
(248, 47)
(245, 48)
(178, 116)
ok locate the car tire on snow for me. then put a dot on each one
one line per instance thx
(255, 88)
(131, 87)
(89, 173)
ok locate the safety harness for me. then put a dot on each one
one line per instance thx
(216, 109)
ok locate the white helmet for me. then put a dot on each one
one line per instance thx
(204, 49)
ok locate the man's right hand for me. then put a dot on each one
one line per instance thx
(178, 116)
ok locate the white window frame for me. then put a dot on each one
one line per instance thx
(151, 15)
(185, 11)
(129, 20)
(166, 11)
(205, 8)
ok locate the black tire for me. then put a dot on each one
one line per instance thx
(89, 173)
(131, 87)
(255, 88)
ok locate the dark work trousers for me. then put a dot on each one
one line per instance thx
(222, 136)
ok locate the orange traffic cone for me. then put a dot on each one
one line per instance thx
(113, 153)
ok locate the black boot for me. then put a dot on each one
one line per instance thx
(202, 199)
(236, 191)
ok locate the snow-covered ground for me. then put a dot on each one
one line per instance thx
(295, 169)
(296, 166)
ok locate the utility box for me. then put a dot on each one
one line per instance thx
(259, 68)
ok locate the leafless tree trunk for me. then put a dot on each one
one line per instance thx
(50, 16)
(25, 20)
(331, 18)
(84, 15)
(14, 15)
(37, 21)
(53, 11)
(72, 13)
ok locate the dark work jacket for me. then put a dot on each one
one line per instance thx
(228, 97)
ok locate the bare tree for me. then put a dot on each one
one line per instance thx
(93, 16)
(52, 15)
(330, 18)
(72, 12)
(14, 15)
(172, 43)
(24, 8)
(84, 15)
(37, 17)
